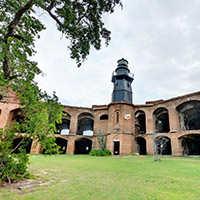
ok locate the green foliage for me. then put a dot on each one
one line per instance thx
(104, 152)
(81, 23)
(12, 166)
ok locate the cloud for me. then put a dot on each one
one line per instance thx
(160, 40)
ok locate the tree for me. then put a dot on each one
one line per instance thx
(80, 21)
(102, 139)
(159, 144)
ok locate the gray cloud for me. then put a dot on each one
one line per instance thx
(160, 39)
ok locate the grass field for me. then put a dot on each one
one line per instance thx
(80, 177)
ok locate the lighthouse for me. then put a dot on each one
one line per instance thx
(122, 79)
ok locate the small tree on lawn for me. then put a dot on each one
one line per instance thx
(159, 144)
(102, 139)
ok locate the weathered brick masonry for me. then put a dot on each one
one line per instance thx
(129, 128)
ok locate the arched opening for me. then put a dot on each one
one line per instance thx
(63, 127)
(26, 144)
(161, 117)
(189, 115)
(18, 116)
(190, 144)
(141, 145)
(62, 143)
(83, 146)
(104, 117)
(117, 117)
(140, 123)
(85, 124)
(163, 145)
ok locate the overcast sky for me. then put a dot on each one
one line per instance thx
(159, 38)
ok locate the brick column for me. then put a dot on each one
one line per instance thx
(71, 146)
(149, 122)
(73, 124)
(149, 145)
(173, 120)
(175, 145)
(35, 148)
(4, 116)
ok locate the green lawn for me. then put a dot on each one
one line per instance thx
(100, 178)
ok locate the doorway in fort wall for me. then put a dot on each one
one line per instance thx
(116, 145)
(141, 145)
(190, 144)
(83, 146)
(18, 142)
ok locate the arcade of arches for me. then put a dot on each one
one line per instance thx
(175, 121)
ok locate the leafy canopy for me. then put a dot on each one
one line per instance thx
(80, 21)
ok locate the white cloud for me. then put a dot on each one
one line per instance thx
(160, 39)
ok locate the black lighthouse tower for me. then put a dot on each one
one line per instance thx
(122, 79)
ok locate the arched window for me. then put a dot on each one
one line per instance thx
(161, 117)
(18, 116)
(104, 117)
(162, 145)
(19, 142)
(190, 144)
(85, 124)
(83, 146)
(140, 123)
(64, 126)
(141, 145)
(117, 117)
(189, 115)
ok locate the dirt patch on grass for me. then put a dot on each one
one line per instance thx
(25, 186)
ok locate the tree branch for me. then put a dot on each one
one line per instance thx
(19, 37)
(52, 5)
(17, 18)
(23, 138)
(54, 17)
(10, 32)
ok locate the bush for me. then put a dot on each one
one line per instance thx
(13, 166)
(107, 152)
(104, 152)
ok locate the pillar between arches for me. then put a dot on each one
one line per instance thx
(71, 146)
(175, 145)
(35, 147)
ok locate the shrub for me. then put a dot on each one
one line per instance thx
(107, 152)
(104, 152)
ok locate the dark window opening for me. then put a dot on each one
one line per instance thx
(140, 123)
(85, 124)
(141, 145)
(163, 145)
(189, 115)
(117, 117)
(26, 144)
(161, 120)
(83, 146)
(19, 117)
(62, 143)
(63, 128)
(104, 117)
(190, 144)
